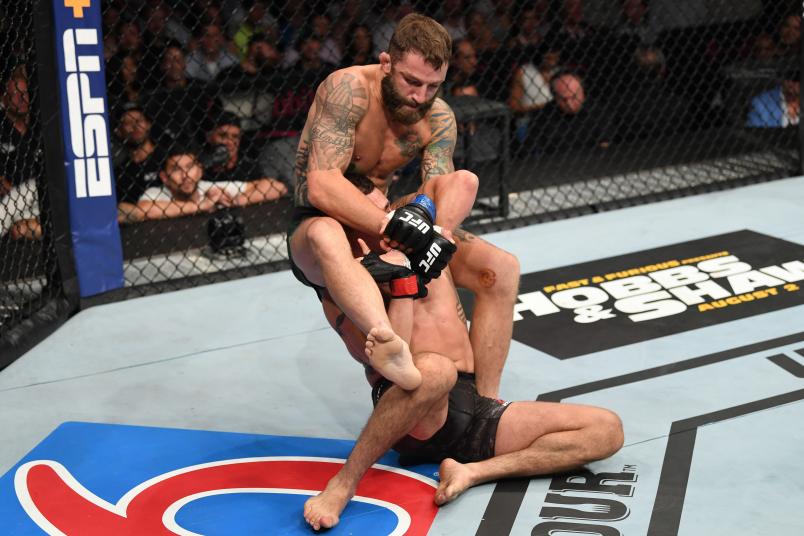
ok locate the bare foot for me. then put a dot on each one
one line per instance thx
(323, 510)
(390, 356)
(455, 479)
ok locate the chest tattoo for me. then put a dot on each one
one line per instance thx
(409, 144)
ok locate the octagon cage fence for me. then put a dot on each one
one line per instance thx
(564, 108)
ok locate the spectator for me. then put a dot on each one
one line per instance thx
(790, 36)
(183, 192)
(212, 13)
(308, 59)
(763, 49)
(156, 36)
(294, 21)
(137, 158)
(530, 87)
(225, 131)
(247, 88)
(479, 33)
(464, 80)
(392, 12)
(330, 50)
(212, 55)
(294, 91)
(452, 18)
(161, 29)
(360, 47)
(463, 77)
(111, 19)
(501, 20)
(634, 23)
(123, 84)
(180, 104)
(257, 20)
(129, 38)
(20, 160)
(532, 28)
(777, 107)
(346, 16)
(566, 122)
(574, 34)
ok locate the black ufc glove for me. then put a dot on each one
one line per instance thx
(412, 225)
(403, 281)
(430, 261)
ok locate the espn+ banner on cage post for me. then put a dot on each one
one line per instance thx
(90, 179)
(621, 300)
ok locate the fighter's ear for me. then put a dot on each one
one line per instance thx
(385, 62)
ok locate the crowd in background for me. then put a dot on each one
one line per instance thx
(207, 98)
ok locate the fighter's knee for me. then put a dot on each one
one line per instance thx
(612, 436)
(325, 233)
(499, 276)
(467, 181)
(438, 374)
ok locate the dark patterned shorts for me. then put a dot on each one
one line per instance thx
(469, 433)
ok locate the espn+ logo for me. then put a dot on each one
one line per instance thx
(89, 138)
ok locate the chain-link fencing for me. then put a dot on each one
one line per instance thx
(29, 278)
(564, 107)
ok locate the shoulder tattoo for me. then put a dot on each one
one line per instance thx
(340, 104)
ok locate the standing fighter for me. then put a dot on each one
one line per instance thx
(372, 120)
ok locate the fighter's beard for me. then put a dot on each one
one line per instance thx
(398, 107)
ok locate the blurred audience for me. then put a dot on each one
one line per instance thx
(463, 77)
(294, 91)
(634, 23)
(566, 122)
(479, 33)
(452, 17)
(530, 86)
(778, 107)
(575, 36)
(183, 191)
(230, 165)
(123, 85)
(136, 156)
(20, 159)
(212, 55)
(129, 37)
(391, 11)
(321, 28)
(346, 15)
(532, 27)
(360, 47)
(501, 19)
(789, 36)
(180, 104)
(247, 89)
(257, 20)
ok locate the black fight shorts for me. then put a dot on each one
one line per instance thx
(299, 215)
(468, 435)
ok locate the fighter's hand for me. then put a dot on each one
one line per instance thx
(431, 261)
(393, 268)
(409, 228)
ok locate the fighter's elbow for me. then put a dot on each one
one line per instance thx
(315, 190)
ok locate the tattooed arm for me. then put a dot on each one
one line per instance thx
(437, 157)
(453, 191)
(327, 145)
